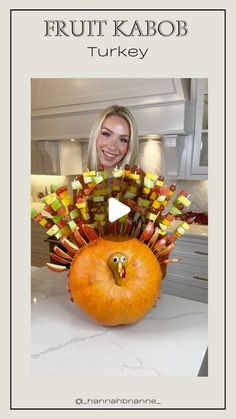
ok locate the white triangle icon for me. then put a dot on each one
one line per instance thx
(116, 209)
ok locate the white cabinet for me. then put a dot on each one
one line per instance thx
(55, 158)
(197, 152)
(186, 156)
(67, 108)
(188, 278)
(39, 248)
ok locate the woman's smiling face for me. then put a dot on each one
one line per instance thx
(113, 141)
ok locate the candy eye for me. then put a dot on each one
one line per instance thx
(123, 259)
(115, 259)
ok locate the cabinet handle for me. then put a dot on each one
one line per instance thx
(198, 252)
(200, 277)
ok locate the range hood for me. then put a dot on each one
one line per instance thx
(65, 109)
(55, 158)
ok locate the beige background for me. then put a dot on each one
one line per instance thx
(200, 54)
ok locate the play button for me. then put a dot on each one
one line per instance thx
(116, 209)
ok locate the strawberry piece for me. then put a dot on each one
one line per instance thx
(164, 191)
(184, 193)
(61, 223)
(61, 189)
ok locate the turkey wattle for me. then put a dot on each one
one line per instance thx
(115, 269)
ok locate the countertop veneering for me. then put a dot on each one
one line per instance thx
(170, 341)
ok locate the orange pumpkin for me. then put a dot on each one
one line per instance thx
(115, 280)
(116, 267)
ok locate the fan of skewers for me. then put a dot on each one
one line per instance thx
(81, 216)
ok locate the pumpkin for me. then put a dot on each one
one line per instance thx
(109, 298)
(115, 268)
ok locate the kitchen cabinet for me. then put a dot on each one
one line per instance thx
(197, 144)
(56, 158)
(186, 156)
(66, 108)
(39, 248)
(188, 278)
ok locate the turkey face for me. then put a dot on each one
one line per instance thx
(117, 263)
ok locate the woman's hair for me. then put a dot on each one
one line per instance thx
(131, 155)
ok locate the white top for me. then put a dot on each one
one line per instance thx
(169, 342)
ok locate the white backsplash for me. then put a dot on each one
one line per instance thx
(150, 156)
(198, 190)
(39, 182)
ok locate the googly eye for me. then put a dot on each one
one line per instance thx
(123, 259)
(115, 259)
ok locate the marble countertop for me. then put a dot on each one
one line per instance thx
(169, 342)
(194, 229)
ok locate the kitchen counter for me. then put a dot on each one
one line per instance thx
(169, 342)
(194, 229)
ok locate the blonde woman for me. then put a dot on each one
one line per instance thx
(113, 139)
